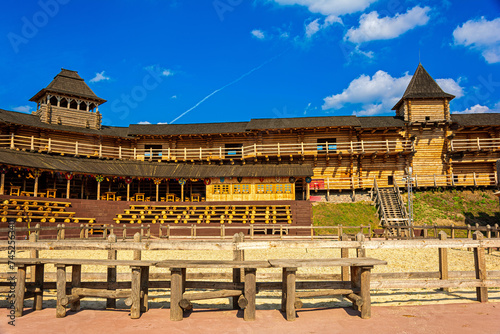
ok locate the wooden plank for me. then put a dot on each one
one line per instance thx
(61, 290)
(433, 284)
(212, 264)
(211, 294)
(480, 268)
(323, 292)
(102, 293)
(326, 262)
(443, 260)
(38, 298)
(76, 281)
(290, 293)
(135, 294)
(144, 288)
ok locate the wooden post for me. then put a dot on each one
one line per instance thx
(35, 190)
(61, 290)
(308, 192)
(38, 297)
(135, 309)
(290, 274)
(76, 282)
(480, 267)
(2, 184)
(68, 185)
(344, 253)
(33, 253)
(250, 293)
(157, 190)
(98, 191)
(128, 192)
(443, 261)
(176, 313)
(238, 255)
(111, 302)
(144, 288)
(182, 192)
(137, 253)
(361, 252)
(364, 284)
(19, 291)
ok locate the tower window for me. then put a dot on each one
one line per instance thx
(233, 150)
(427, 118)
(325, 145)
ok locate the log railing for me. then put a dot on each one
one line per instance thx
(75, 148)
(474, 144)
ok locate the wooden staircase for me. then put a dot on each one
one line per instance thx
(392, 211)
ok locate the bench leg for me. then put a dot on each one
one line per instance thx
(250, 293)
(61, 290)
(290, 293)
(38, 301)
(20, 288)
(176, 287)
(111, 302)
(135, 309)
(355, 282)
(283, 290)
(366, 308)
(144, 288)
(76, 282)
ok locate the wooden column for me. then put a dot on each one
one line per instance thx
(2, 184)
(290, 274)
(182, 192)
(128, 192)
(76, 282)
(176, 313)
(360, 252)
(19, 290)
(238, 255)
(355, 281)
(68, 185)
(98, 191)
(38, 297)
(111, 302)
(35, 191)
(137, 253)
(61, 290)
(443, 261)
(135, 309)
(308, 191)
(250, 294)
(157, 190)
(480, 267)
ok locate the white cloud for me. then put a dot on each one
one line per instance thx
(451, 86)
(99, 77)
(259, 34)
(173, 97)
(330, 7)
(26, 109)
(159, 70)
(371, 27)
(167, 73)
(315, 26)
(481, 35)
(479, 109)
(144, 122)
(379, 93)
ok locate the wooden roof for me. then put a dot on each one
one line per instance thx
(422, 86)
(486, 119)
(68, 83)
(147, 169)
(302, 122)
(186, 129)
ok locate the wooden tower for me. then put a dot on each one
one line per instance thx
(67, 100)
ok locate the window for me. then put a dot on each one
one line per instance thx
(260, 188)
(221, 189)
(269, 188)
(427, 118)
(288, 188)
(155, 149)
(279, 188)
(390, 180)
(241, 189)
(233, 150)
(327, 145)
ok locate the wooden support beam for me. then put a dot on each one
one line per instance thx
(480, 267)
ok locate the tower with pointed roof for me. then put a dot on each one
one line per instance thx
(68, 100)
(424, 101)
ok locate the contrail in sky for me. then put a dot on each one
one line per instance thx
(227, 85)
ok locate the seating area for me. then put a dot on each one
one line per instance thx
(35, 211)
(198, 214)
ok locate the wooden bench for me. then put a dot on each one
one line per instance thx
(246, 294)
(358, 291)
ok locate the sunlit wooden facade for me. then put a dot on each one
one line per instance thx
(64, 146)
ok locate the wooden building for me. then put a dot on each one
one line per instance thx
(62, 149)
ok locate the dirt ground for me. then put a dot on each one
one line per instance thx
(429, 319)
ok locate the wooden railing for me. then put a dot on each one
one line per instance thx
(474, 144)
(76, 148)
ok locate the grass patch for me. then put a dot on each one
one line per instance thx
(345, 214)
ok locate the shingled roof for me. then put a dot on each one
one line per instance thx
(422, 86)
(302, 122)
(23, 119)
(186, 129)
(147, 169)
(486, 119)
(69, 83)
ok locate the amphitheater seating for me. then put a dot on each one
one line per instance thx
(35, 211)
(198, 214)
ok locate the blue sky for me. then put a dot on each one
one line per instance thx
(233, 60)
